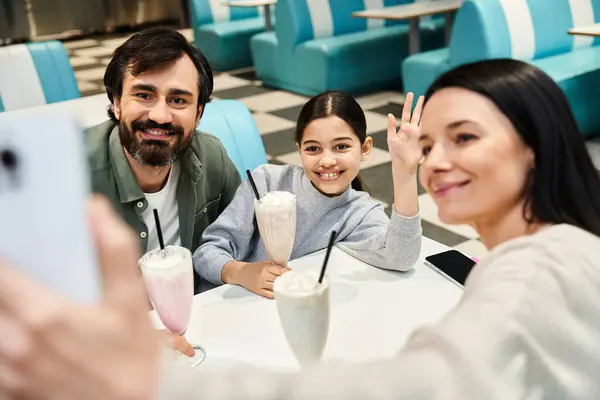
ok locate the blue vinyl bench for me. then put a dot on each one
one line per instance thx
(35, 74)
(223, 33)
(535, 31)
(232, 123)
(317, 45)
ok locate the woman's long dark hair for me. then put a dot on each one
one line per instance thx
(564, 186)
(341, 105)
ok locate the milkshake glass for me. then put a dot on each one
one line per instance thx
(276, 217)
(169, 277)
(303, 307)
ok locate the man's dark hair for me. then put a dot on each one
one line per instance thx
(150, 49)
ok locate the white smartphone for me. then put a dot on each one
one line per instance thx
(452, 264)
(44, 189)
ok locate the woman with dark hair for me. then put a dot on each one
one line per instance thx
(503, 153)
(331, 137)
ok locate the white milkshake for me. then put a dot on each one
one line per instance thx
(303, 307)
(276, 217)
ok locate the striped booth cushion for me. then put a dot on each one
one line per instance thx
(520, 29)
(302, 21)
(212, 11)
(34, 74)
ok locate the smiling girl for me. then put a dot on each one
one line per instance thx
(331, 136)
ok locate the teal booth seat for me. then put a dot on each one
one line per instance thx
(35, 74)
(232, 123)
(534, 31)
(319, 46)
(223, 33)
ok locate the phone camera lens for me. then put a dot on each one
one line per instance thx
(8, 159)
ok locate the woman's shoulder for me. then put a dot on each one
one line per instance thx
(557, 240)
(563, 251)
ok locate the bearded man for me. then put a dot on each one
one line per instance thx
(149, 155)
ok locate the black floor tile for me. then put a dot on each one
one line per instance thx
(378, 181)
(276, 162)
(241, 92)
(419, 187)
(380, 184)
(392, 108)
(280, 142)
(380, 140)
(441, 235)
(248, 75)
(290, 113)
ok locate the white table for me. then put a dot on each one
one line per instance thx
(266, 4)
(413, 12)
(590, 30)
(373, 312)
(88, 111)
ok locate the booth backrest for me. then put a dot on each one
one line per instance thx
(35, 74)
(520, 29)
(232, 123)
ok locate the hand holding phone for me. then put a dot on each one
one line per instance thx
(44, 192)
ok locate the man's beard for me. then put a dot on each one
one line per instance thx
(156, 153)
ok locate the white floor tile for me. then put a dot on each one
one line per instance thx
(429, 213)
(224, 81)
(594, 149)
(267, 123)
(94, 52)
(376, 157)
(83, 61)
(77, 44)
(375, 122)
(472, 248)
(188, 33)
(271, 101)
(291, 158)
(87, 86)
(91, 74)
(114, 43)
(379, 99)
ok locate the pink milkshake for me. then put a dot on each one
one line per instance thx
(169, 277)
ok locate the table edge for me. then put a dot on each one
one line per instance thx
(261, 3)
(430, 10)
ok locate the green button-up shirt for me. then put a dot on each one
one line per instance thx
(207, 182)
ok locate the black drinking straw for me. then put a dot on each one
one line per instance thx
(253, 184)
(159, 230)
(329, 246)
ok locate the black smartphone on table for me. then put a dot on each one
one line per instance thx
(452, 264)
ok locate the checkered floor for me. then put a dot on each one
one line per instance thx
(275, 113)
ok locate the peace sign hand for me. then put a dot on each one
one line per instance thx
(404, 144)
